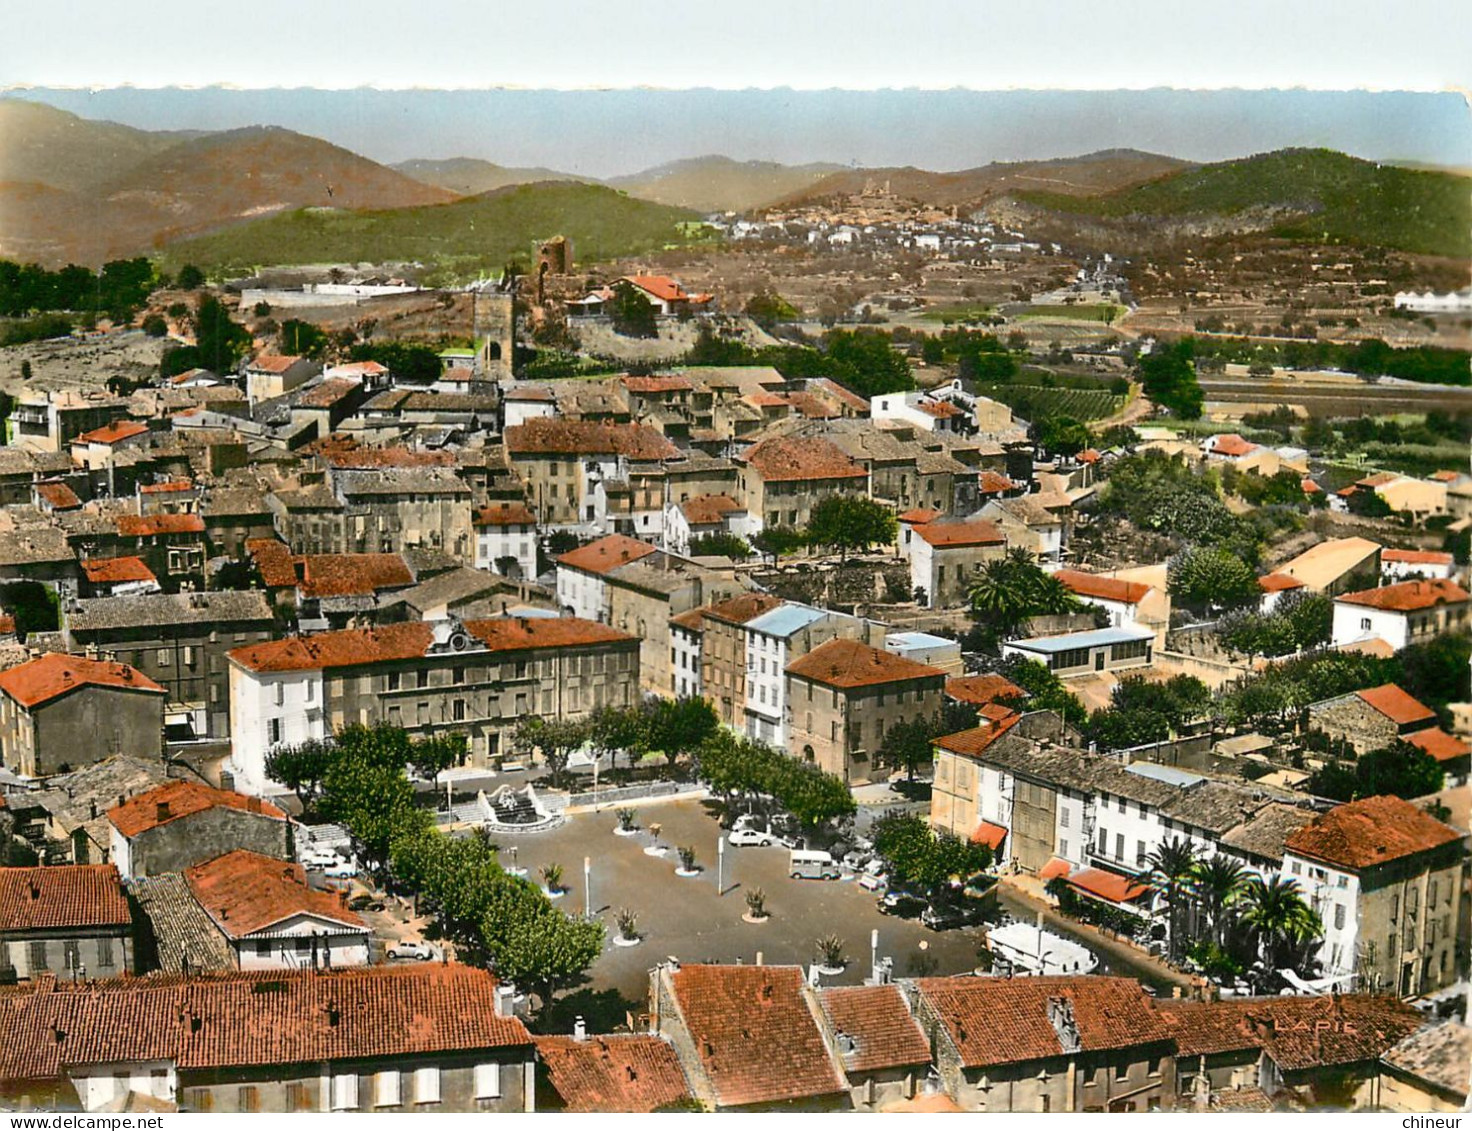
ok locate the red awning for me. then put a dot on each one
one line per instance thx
(1054, 867)
(989, 834)
(1107, 885)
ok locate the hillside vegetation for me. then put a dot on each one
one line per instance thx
(1313, 194)
(720, 184)
(470, 176)
(464, 238)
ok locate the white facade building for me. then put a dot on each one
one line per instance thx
(506, 540)
(267, 710)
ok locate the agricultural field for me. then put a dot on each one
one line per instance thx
(1038, 402)
(1090, 312)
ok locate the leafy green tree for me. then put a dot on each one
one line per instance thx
(677, 727)
(1116, 729)
(1172, 871)
(1219, 882)
(766, 308)
(775, 541)
(302, 768)
(437, 753)
(1009, 591)
(1279, 917)
(191, 278)
(614, 729)
(532, 944)
(1168, 376)
(407, 361)
(851, 522)
(1435, 671)
(374, 802)
(1206, 576)
(1401, 769)
(722, 545)
(632, 314)
(556, 739)
(155, 326)
(1062, 435)
(298, 338)
(907, 744)
(922, 859)
(1044, 691)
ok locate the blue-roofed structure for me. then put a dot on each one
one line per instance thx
(786, 620)
(1098, 650)
(1171, 775)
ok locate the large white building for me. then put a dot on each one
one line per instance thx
(506, 540)
(580, 585)
(1405, 613)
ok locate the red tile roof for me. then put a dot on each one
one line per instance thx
(548, 436)
(1299, 1033)
(111, 571)
(1309, 487)
(852, 664)
(668, 383)
(843, 394)
(1364, 834)
(879, 1022)
(1416, 557)
(706, 510)
(636, 1073)
(994, 483)
(350, 575)
(55, 674)
(606, 553)
(754, 1033)
(238, 1020)
(348, 456)
(660, 286)
(58, 495)
(1440, 745)
(978, 738)
(789, 459)
(411, 640)
(328, 393)
(273, 561)
(764, 399)
(1088, 455)
(979, 689)
(273, 363)
(988, 834)
(1103, 588)
(940, 409)
(945, 534)
(1231, 444)
(918, 516)
(691, 621)
(245, 892)
(175, 800)
(167, 488)
(113, 433)
(1005, 1020)
(1396, 705)
(813, 406)
(147, 525)
(1054, 867)
(505, 514)
(62, 895)
(740, 610)
(1107, 885)
(1408, 596)
(1278, 583)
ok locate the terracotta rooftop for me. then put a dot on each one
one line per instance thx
(664, 383)
(1440, 745)
(1299, 1033)
(113, 433)
(245, 892)
(879, 1023)
(660, 286)
(636, 1073)
(918, 516)
(606, 553)
(147, 525)
(789, 459)
(343, 575)
(979, 689)
(1103, 588)
(1107, 885)
(238, 1020)
(706, 510)
(412, 640)
(62, 895)
(112, 571)
(691, 621)
(850, 664)
(1396, 705)
(978, 738)
(328, 393)
(547, 436)
(1006, 1020)
(58, 495)
(948, 533)
(754, 1033)
(167, 488)
(1439, 1055)
(1278, 583)
(1416, 557)
(740, 610)
(1365, 834)
(1231, 444)
(504, 514)
(351, 457)
(272, 363)
(177, 799)
(940, 409)
(1408, 596)
(994, 483)
(840, 393)
(1088, 455)
(55, 674)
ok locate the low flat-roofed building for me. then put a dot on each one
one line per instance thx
(1078, 653)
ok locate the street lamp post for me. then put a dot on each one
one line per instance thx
(720, 866)
(588, 886)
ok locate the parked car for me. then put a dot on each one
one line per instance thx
(871, 881)
(415, 949)
(945, 917)
(901, 904)
(342, 870)
(856, 858)
(365, 903)
(320, 858)
(749, 837)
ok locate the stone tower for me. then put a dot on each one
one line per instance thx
(494, 330)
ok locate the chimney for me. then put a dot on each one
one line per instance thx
(579, 1029)
(301, 570)
(253, 805)
(163, 811)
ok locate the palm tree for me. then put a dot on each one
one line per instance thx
(995, 597)
(1219, 881)
(1279, 916)
(1172, 872)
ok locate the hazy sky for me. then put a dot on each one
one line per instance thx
(806, 48)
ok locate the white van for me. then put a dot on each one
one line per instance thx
(807, 864)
